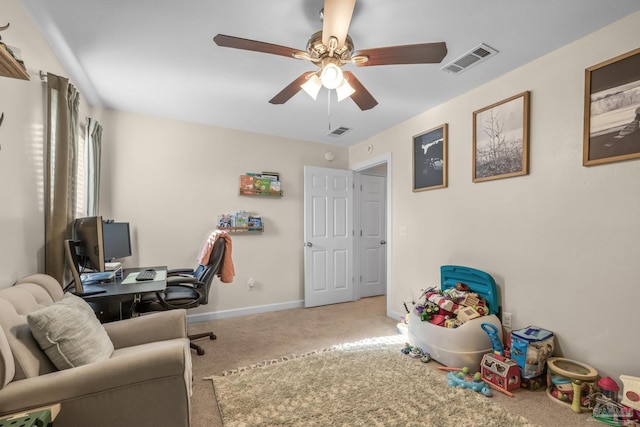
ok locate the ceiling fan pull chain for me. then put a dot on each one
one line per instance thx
(329, 108)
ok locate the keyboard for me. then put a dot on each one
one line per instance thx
(148, 274)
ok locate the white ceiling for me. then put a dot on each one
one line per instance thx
(157, 57)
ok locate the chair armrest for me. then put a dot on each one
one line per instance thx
(144, 365)
(171, 305)
(159, 326)
(181, 279)
(175, 271)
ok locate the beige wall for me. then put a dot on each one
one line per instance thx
(192, 177)
(562, 242)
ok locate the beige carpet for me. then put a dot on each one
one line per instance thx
(253, 339)
(370, 383)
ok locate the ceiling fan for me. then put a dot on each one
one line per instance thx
(332, 48)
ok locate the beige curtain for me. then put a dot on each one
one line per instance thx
(62, 124)
(94, 147)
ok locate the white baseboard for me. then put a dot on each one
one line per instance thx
(394, 315)
(245, 311)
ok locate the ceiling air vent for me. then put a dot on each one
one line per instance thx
(339, 131)
(469, 59)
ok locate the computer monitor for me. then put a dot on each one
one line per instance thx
(90, 251)
(116, 240)
(73, 262)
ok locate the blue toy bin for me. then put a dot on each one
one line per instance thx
(466, 344)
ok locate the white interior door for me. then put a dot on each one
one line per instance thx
(373, 276)
(328, 236)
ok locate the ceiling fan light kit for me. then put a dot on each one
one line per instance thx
(345, 90)
(330, 50)
(331, 76)
(312, 86)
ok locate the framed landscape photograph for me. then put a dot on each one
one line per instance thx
(501, 139)
(612, 110)
(430, 159)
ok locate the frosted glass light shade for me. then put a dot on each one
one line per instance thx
(331, 76)
(312, 86)
(344, 90)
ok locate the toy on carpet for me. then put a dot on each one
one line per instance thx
(607, 407)
(569, 382)
(501, 373)
(415, 352)
(457, 377)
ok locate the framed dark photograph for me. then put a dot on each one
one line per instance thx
(430, 159)
(501, 139)
(612, 110)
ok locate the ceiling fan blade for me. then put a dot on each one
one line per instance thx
(293, 88)
(425, 53)
(336, 20)
(256, 46)
(361, 96)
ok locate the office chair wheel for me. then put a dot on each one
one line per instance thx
(199, 350)
(211, 336)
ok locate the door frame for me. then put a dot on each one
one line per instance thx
(357, 168)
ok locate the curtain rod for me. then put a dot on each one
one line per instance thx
(43, 76)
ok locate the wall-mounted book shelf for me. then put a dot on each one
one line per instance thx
(266, 184)
(9, 65)
(241, 222)
(257, 193)
(243, 229)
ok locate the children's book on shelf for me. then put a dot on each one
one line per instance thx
(226, 221)
(242, 219)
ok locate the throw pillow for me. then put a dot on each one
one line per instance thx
(69, 333)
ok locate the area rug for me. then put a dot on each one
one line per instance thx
(369, 383)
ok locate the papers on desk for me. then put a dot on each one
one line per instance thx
(161, 275)
(87, 278)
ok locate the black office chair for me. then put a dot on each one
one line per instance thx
(187, 288)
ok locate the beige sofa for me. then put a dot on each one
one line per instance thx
(145, 382)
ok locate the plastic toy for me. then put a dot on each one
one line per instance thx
(631, 394)
(564, 373)
(492, 331)
(530, 348)
(609, 388)
(461, 378)
(606, 407)
(416, 352)
(502, 373)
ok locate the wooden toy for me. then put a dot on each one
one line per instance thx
(471, 300)
(501, 372)
(467, 313)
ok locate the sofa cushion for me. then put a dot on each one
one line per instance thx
(23, 358)
(69, 333)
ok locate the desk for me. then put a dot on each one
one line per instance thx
(118, 302)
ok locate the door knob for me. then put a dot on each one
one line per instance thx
(383, 242)
(308, 244)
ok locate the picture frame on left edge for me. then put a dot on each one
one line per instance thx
(430, 159)
(612, 110)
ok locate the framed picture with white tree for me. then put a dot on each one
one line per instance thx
(501, 139)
